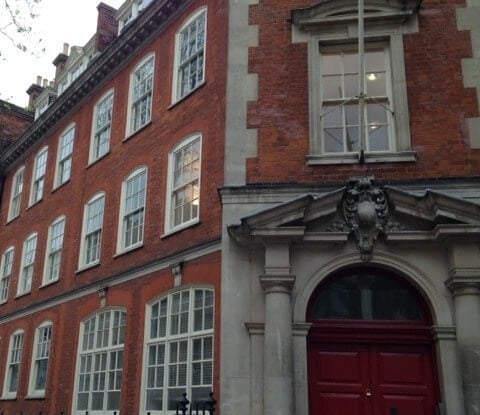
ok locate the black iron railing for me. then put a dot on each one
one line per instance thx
(184, 407)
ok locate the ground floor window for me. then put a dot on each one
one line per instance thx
(179, 350)
(100, 363)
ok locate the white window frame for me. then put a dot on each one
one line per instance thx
(53, 254)
(27, 267)
(173, 188)
(331, 25)
(101, 126)
(13, 360)
(145, 100)
(90, 233)
(6, 273)
(16, 193)
(181, 65)
(100, 340)
(166, 326)
(66, 144)
(132, 206)
(38, 176)
(329, 106)
(40, 360)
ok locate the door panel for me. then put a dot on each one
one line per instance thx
(370, 379)
(338, 378)
(403, 379)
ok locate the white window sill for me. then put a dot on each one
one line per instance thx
(60, 185)
(180, 99)
(181, 227)
(3, 302)
(48, 283)
(36, 396)
(128, 249)
(95, 161)
(353, 158)
(137, 131)
(10, 220)
(22, 294)
(8, 398)
(87, 267)
(32, 204)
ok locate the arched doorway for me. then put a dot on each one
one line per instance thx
(370, 349)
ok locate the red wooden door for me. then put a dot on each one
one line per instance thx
(370, 379)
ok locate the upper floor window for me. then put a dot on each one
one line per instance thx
(100, 363)
(179, 348)
(28, 262)
(6, 273)
(38, 179)
(14, 359)
(102, 123)
(190, 55)
(64, 159)
(16, 193)
(184, 183)
(92, 230)
(41, 354)
(339, 116)
(141, 92)
(54, 251)
(357, 115)
(133, 209)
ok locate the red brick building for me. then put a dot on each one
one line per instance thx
(223, 195)
(94, 251)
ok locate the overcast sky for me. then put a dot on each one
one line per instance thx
(59, 21)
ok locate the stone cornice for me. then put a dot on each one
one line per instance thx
(119, 53)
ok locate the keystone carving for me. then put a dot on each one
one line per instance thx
(365, 209)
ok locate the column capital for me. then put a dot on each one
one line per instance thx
(463, 285)
(255, 328)
(277, 283)
(301, 329)
(444, 333)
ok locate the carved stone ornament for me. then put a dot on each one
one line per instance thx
(365, 209)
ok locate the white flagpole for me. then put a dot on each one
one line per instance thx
(361, 81)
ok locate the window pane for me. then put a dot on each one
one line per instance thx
(332, 87)
(363, 295)
(101, 365)
(333, 140)
(351, 86)
(377, 127)
(333, 117)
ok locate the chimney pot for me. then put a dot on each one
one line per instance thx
(39, 80)
(65, 48)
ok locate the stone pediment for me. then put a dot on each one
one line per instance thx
(344, 11)
(365, 212)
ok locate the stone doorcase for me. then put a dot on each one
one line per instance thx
(279, 246)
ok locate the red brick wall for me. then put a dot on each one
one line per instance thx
(438, 102)
(202, 111)
(12, 123)
(66, 319)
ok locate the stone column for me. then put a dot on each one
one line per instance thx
(257, 332)
(466, 295)
(278, 363)
(300, 370)
(464, 283)
(451, 383)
